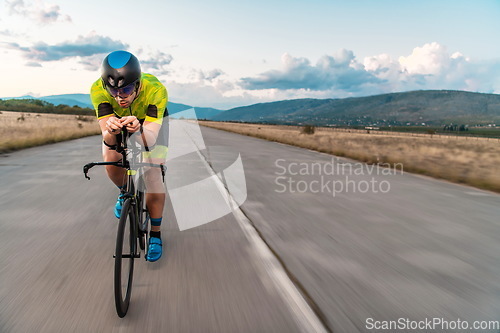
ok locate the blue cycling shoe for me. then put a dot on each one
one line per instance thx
(118, 205)
(154, 249)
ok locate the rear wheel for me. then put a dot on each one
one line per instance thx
(124, 258)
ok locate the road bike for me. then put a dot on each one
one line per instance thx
(134, 218)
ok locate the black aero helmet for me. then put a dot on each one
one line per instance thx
(119, 69)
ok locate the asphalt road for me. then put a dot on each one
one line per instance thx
(377, 246)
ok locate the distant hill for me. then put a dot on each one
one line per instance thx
(433, 107)
(201, 113)
(83, 101)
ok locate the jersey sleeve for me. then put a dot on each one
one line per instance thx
(100, 100)
(157, 104)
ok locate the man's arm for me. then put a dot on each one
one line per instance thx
(150, 132)
(110, 127)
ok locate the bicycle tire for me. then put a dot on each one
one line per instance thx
(126, 235)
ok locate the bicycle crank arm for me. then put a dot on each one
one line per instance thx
(138, 255)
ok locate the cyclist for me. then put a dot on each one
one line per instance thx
(125, 97)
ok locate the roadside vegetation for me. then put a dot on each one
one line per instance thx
(447, 130)
(461, 159)
(20, 130)
(39, 106)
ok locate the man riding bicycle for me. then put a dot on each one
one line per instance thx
(125, 97)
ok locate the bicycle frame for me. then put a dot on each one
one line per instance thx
(129, 153)
(134, 209)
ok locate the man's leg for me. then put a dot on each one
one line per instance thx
(156, 193)
(116, 174)
(155, 201)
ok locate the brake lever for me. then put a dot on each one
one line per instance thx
(86, 169)
(163, 172)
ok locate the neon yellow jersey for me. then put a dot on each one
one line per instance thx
(149, 105)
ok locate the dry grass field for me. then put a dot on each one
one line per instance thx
(472, 161)
(22, 130)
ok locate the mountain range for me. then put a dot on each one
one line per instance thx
(431, 107)
(424, 107)
(83, 101)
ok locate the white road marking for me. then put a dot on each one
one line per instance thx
(302, 313)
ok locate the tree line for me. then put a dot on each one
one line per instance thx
(455, 128)
(39, 106)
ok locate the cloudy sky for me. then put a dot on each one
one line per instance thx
(223, 53)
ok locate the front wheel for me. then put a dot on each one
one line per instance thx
(124, 258)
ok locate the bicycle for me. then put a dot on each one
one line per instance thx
(133, 224)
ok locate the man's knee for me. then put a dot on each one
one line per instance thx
(156, 197)
(154, 181)
(110, 155)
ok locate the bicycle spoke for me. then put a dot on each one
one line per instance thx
(124, 258)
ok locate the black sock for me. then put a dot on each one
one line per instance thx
(156, 234)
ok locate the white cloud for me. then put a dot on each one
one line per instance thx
(16, 7)
(40, 12)
(201, 94)
(93, 62)
(429, 59)
(337, 75)
(33, 64)
(430, 66)
(341, 75)
(199, 87)
(210, 75)
(83, 46)
(380, 63)
(8, 33)
(341, 72)
(154, 61)
(226, 95)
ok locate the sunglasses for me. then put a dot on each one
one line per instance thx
(123, 92)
